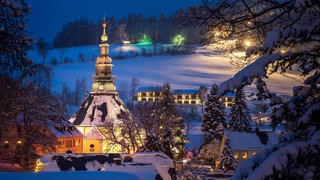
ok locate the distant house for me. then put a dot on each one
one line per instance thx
(181, 96)
(148, 93)
(227, 100)
(247, 144)
(186, 96)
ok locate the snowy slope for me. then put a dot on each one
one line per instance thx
(183, 72)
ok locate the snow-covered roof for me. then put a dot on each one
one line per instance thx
(99, 109)
(65, 130)
(252, 140)
(149, 89)
(185, 91)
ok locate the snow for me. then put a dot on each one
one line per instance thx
(182, 72)
(69, 175)
(112, 110)
(250, 141)
(143, 166)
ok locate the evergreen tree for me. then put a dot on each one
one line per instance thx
(164, 121)
(214, 117)
(152, 143)
(226, 159)
(171, 125)
(240, 116)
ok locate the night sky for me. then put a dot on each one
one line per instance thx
(47, 17)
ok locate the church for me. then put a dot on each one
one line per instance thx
(103, 118)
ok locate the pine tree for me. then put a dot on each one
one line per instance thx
(226, 159)
(214, 117)
(240, 116)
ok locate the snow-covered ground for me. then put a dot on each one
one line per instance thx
(182, 71)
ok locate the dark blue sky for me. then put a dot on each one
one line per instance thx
(48, 16)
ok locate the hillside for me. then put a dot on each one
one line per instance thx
(182, 71)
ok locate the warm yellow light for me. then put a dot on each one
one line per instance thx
(19, 142)
(247, 43)
(6, 142)
(236, 155)
(282, 51)
(244, 155)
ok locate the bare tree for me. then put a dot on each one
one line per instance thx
(133, 91)
(202, 94)
(42, 47)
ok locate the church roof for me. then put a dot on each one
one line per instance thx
(99, 110)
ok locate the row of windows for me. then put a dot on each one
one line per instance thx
(6, 143)
(70, 143)
(242, 155)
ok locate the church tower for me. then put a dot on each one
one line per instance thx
(103, 118)
(103, 80)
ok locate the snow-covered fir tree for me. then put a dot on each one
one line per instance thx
(284, 38)
(240, 118)
(163, 119)
(214, 116)
(152, 143)
(226, 159)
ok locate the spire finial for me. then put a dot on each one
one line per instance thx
(104, 36)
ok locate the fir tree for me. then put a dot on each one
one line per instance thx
(214, 117)
(152, 143)
(163, 118)
(226, 159)
(171, 127)
(240, 116)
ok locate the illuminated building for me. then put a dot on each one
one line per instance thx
(102, 116)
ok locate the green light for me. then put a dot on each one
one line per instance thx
(178, 40)
(145, 40)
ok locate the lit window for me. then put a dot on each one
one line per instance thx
(236, 155)
(6, 142)
(19, 142)
(244, 155)
(253, 153)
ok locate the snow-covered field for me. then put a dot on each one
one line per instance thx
(181, 71)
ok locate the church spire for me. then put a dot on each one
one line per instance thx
(103, 80)
(104, 37)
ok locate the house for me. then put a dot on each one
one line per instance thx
(69, 137)
(186, 96)
(247, 144)
(228, 100)
(181, 96)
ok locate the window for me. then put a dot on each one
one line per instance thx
(193, 102)
(91, 147)
(143, 99)
(19, 142)
(143, 94)
(6, 144)
(179, 97)
(244, 155)
(68, 143)
(236, 155)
